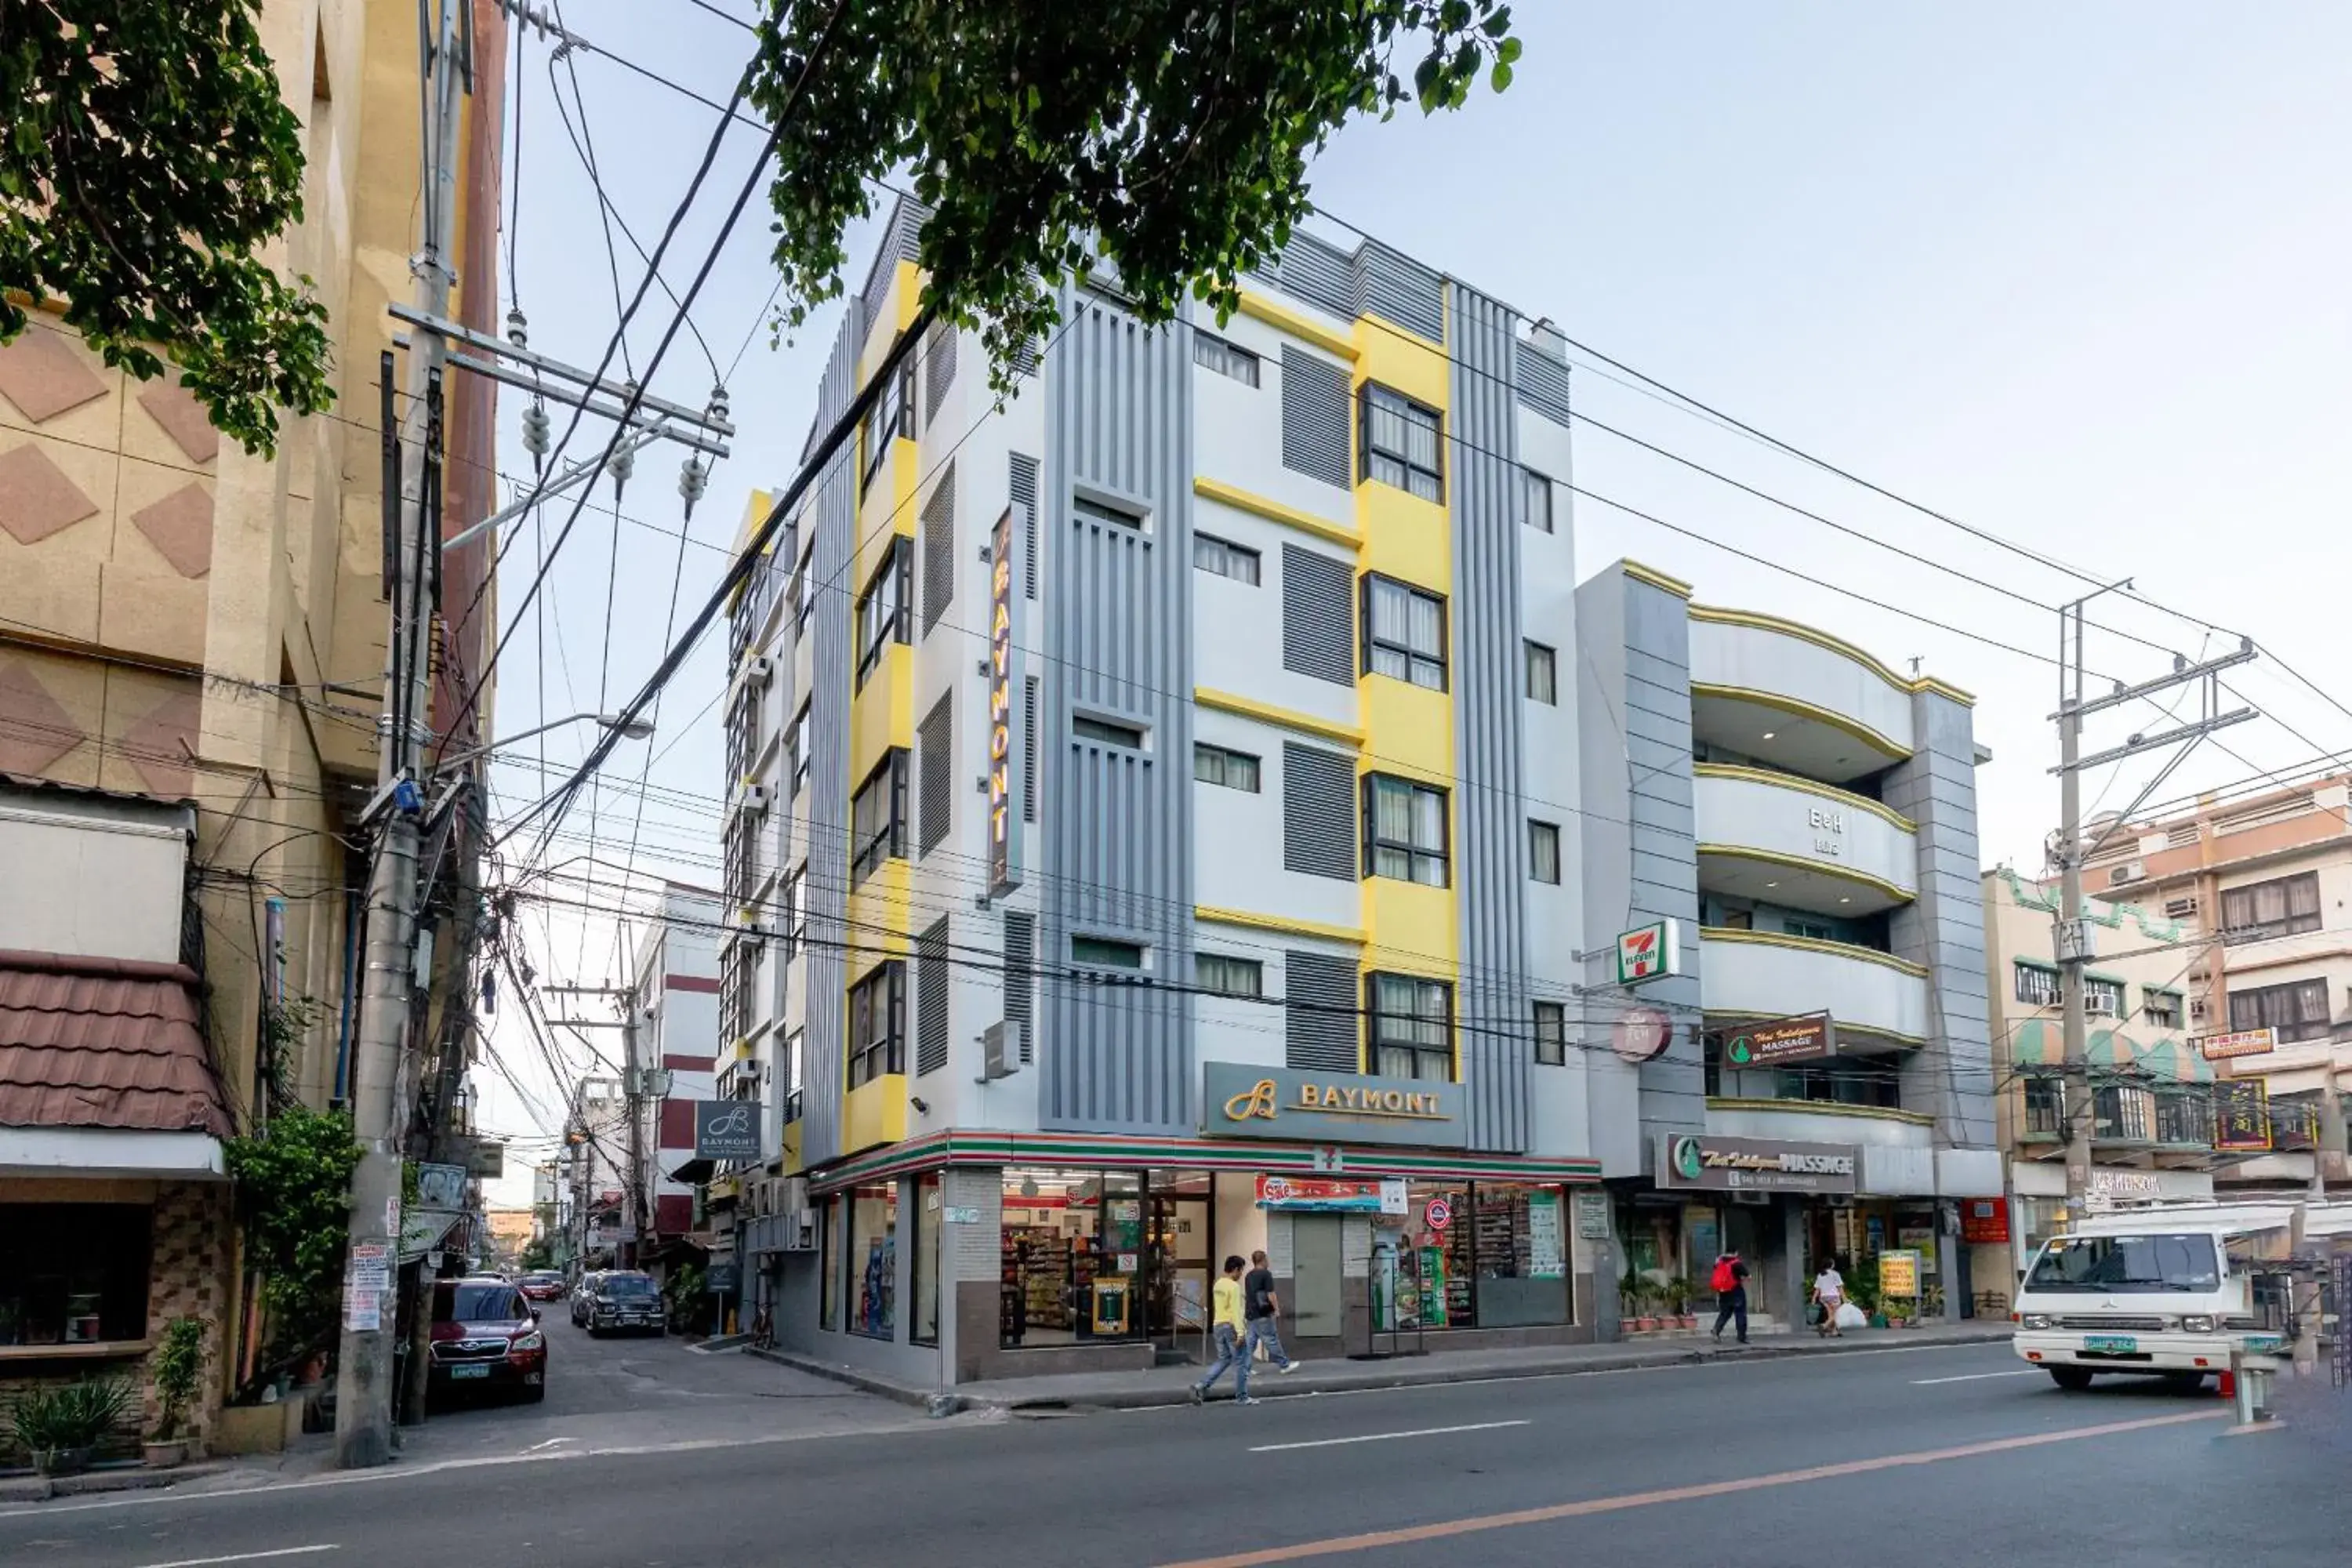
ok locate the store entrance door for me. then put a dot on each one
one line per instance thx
(1176, 1297)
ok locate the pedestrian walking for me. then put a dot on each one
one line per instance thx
(1263, 1307)
(1829, 1291)
(1730, 1284)
(1230, 1330)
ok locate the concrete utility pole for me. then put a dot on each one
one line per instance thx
(2072, 932)
(363, 1386)
(635, 1078)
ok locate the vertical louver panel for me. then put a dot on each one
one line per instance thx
(938, 550)
(1319, 811)
(1024, 496)
(939, 370)
(935, 763)
(1021, 977)
(1314, 416)
(1029, 750)
(1318, 1016)
(931, 999)
(1318, 623)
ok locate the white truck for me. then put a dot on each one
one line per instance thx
(2166, 1290)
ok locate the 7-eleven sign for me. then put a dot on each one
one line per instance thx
(1648, 953)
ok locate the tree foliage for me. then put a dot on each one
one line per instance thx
(145, 155)
(293, 1192)
(1170, 138)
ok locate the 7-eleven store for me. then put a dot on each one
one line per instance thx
(960, 1256)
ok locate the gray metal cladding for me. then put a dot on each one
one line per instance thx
(1021, 977)
(1319, 616)
(935, 772)
(1113, 846)
(1319, 1020)
(1543, 384)
(1024, 496)
(938, 369)
(1314, 416)
(825, 1059)
(1389, 284)
(938, 523)
(933, 964)
(903, 241)
(1490, 798)
(1318, 812)
(1315, 273)
(1029, 702)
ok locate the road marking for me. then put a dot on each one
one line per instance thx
(1413, 1534)
(245, 1556)
(1386, 1436)
(550, 1443)
(1974, 1376)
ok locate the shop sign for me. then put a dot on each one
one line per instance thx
(1239, 1099)
(1898, 1272)
(1984, 1222)
(726, 1130)
(1547, 1249)
(1782, 1040)
(1332, 1195)
(1003, 756)
(2237, 1043)
(440, 1186)
(1653, 951)
(1640, 1034)
(2241, 1114)
(1708, 1164)
(1592, 1215)
(1440, 1214)
(723, 1278)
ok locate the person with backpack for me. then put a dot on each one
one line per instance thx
(1729, 1283)
(1263, 1307)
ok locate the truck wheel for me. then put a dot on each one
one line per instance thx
(2072, 1379)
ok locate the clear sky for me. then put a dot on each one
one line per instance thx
(2072, 275)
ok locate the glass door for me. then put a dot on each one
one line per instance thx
(1177, 1273)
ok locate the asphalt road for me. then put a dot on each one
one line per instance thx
(1952, 1457)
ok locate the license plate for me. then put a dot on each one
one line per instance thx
(469, 1371)
(2112, 1344)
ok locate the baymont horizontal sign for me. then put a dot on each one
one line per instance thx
(1239, 1100)
(1702, 1162)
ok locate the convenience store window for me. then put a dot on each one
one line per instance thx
(870, 1260)
(1499, 1261)
(929, 1254)
(1071, 1258)
(828, 1221)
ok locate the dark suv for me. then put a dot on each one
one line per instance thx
(625, 1300)
(486, 1336)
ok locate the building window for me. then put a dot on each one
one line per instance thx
(828, 1238)
(792, 911)
(877, 1024)
(1404, 831)
(1070, 1244)
(791, 1087)
(1104, 953)
(1812, 931)
(796, 760)
(2036, 985)
(1225, 558)
(878, 817)
(928, 1251)
(871, 1259)
(1551, 1034)
(1543, 851)
(1543, 675)
(1226, 359)
(2103, 998)
(1229, 976)
(1535, 499)
(891, 414)
(2045, 1106)
(2298, 1010)
(2160, 1008)
(882, 612)
(1411, 1026)
(1100, 511)
(1404, 633)
(73, 1274)
(1501, 1263)
(1400, 443)
(1106, 731)
(2285, 906)
(1233, 770)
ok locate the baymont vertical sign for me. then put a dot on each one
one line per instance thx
(1004, 749)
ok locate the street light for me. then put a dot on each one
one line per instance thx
(633, 729)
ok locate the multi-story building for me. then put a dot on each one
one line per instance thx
(676, 991)
(1162, 824)
(602, 1209)
(190, 658)
(1818, 1083)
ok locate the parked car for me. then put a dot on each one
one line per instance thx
(582, 1294)
(623, 1298)
(541, 1285)
(486, 1336)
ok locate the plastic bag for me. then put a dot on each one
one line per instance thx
(1850, 1316)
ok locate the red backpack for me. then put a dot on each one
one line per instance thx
(1724, 1281)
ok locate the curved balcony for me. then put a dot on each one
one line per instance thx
(1786, 841)
(1796, 697)
(1765, 975)
(1821, 1122)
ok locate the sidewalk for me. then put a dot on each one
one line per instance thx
(1171, 1385)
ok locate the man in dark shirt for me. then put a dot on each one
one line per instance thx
(1263, 1310)
(1730, 1283)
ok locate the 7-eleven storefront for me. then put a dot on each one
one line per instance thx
(968, 1256)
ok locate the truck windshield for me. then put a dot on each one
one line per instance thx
(2126, 1263)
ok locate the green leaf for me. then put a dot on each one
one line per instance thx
(1500, 77)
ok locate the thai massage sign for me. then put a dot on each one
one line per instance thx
(1239, 1100)
(1003, 756)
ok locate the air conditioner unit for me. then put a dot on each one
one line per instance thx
(759, 669)
(2129, 871)
(755, 798)
(2179, 909)
(800, 1233)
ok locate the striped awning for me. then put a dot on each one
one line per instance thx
(2041, 1042)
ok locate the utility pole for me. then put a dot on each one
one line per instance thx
(635, 1080)
(2073, 932)
(364, 1385)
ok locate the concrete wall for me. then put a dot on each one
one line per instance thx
(1943, 928)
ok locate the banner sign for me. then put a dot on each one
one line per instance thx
(2237, 1043)
(1332, 1195)
(1898, 1273)
(2241, 1114)
(1240, 1099)
(1708, 1163)
(1004, 756)
(1782, 1040)
(727, 1129)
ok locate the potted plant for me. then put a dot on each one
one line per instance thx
(1645, 1304)
(176, 1367)
(1632, 1290)
(62, 1424)
(1679, 1298)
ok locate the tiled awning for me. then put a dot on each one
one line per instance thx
(103, 1043)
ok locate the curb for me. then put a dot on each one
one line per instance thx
(41, 1488)
(867, 1383)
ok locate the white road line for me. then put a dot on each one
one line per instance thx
(245, 1556)
(1974, 1376)
(1386, 1436)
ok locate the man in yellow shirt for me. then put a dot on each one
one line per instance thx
(1233, 1350)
